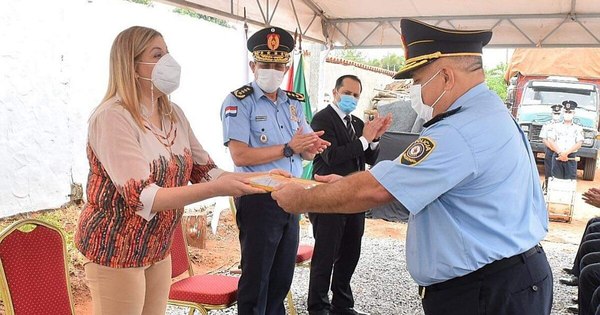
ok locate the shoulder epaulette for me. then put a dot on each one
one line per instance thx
(243, 92)
(441, 116)
(295, 96)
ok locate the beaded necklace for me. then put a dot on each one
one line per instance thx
(166, 139)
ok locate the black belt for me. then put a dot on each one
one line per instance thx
(486, 270)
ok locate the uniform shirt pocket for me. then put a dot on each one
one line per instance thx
(264, 133)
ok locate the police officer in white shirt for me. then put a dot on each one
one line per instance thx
(547, 129)
(566, 138)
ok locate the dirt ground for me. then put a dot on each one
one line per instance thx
(222, 250)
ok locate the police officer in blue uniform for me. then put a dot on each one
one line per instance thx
(470, 182)
(549, 148)
(265, 128)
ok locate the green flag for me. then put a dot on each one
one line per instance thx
(300, 87)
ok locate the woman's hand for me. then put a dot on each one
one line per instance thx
(277, 171)
(234, 184)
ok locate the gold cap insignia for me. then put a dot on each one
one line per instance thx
(273, 41)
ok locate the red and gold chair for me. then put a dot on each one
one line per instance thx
(198, 292)
(34, 276)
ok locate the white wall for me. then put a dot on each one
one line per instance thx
(54, 71)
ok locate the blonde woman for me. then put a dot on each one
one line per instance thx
(142, 155)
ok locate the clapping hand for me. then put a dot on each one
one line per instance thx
(310, 142)
(375, 128)
(386, 123)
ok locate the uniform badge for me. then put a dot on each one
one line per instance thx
(417, 151)
(263, 138)
(273, 41)
(260, 118)
(293, 113)
(231, 111)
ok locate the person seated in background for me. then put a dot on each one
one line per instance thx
(591, 232)
(588, 293)
(590, 243)
(588, 253)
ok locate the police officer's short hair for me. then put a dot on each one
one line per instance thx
(340, 81)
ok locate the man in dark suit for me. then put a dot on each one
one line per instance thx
(338, 236)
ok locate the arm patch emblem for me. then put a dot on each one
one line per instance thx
(417, 151)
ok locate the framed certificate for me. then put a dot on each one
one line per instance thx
(270, 181)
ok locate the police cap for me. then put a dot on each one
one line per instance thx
(271, 44)
(569, 105)
(556, 108)
(424, 43)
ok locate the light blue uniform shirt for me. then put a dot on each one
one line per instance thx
(475, 198)
(258, 122)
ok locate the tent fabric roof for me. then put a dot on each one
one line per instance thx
(550, 61)
(376, 23)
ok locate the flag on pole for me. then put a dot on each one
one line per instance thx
(300, 87)
(290, 76)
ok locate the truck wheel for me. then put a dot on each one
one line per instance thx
(589, 169)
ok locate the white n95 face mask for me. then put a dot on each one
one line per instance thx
(568, 116)
(424, 111)
(269, 79)
(165, 75)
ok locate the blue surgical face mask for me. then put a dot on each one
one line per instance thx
(347, 103)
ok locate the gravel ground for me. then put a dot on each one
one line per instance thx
(382, 285)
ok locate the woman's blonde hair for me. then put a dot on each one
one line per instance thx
(126, 50)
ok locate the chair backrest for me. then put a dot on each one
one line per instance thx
(180, 262)
(34, 277)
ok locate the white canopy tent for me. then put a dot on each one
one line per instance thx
(376, 23)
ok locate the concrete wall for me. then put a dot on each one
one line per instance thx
(54, 71)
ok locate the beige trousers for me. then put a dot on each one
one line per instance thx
(129, 291)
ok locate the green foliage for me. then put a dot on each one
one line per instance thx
(144, 2)
(494, 78)
(390, 62)
(194, 14)
(350, 54)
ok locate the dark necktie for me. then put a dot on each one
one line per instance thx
(352, 136)
(349, 129)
